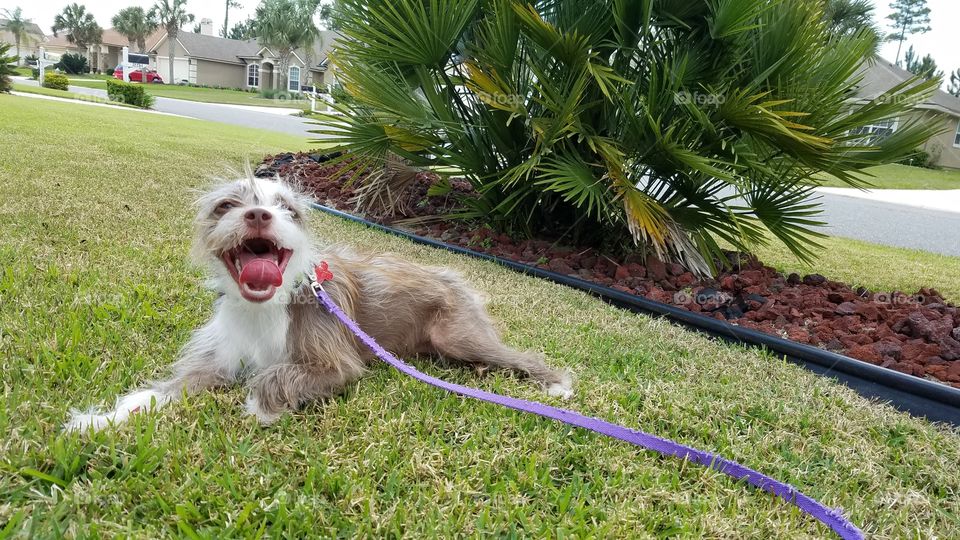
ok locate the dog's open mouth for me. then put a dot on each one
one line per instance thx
(257, 266)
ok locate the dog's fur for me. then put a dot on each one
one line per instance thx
(287, 347)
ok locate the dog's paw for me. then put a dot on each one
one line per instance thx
(253, 408)
(87, 421)
(562, 389)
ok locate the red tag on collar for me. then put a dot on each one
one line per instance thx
(322, 272)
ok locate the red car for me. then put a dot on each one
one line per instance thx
(137, 76)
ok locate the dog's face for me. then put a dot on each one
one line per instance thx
(251, 234)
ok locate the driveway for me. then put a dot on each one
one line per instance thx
(228, 114)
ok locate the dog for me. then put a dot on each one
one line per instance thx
(269, 330)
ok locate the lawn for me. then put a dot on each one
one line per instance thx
(96, 297)
(896, 176)
(209, 95)
(39, 90)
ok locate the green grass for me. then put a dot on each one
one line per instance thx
(896, 176)
(879, 268)
(210, 95)
(27, 89)
(23, 71)
(96, 297)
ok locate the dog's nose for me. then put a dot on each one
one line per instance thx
(258, 217)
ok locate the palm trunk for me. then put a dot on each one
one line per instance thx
(19, 59)
(903, 34)
(226, 18)
(284, 71)
(171, 48)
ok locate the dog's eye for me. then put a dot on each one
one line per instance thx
(225, 205)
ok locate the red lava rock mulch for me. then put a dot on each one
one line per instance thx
(916, 334)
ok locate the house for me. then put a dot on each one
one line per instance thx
(209, 60)
(103, 56)
(29, 46)
(940, 109)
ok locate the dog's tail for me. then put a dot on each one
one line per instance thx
(132, 403)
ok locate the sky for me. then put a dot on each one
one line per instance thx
(941, 42)
(44, 11)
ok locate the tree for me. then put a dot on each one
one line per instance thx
(226, 16)
(80, 27)
(17, 25)
(5, 70)
(925, 67)
(954, 88)
(670, 128)
(285, 26)
(847, 17)
(909, 17)
(242, 30)
(171, 15)
(136, 24)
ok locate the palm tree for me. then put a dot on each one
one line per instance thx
(81, 28)
(172, 15)
(846, 17)
(669, 127)
(136, 25)
(17, 26)
(285, 26)
(226, 16)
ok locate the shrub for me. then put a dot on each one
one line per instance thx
(72, 64)
(30, 59)
(671, 125)
(129, 93)
(55, 81)
(6, 70)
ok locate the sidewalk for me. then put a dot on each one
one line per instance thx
(945, 200)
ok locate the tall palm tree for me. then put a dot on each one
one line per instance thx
(172, 15)
(81, 28)
(17, 26)
(285, 26)
(136, 25)
(226, 16)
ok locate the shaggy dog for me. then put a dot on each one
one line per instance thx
(269, 330)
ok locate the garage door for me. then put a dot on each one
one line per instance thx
(181, 69)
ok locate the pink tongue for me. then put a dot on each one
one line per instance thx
(259, 274)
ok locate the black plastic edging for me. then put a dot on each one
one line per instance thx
(920, 397)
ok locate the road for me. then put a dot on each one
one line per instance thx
(246, 116)
(860, 218)
(891, 224)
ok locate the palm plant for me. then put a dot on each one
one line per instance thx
(171, 15)
(17, 25)
(285, 26)
(846, 17)
(81, 28)
(672, 125)
(136, 24)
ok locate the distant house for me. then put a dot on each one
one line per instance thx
(210, 60)
(29, 46)
(103, 56)
(939, 109)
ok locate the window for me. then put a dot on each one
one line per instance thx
(253, 75)
(294, 84)
(873, 133)
(956, 136)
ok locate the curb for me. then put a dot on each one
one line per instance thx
(919, 397)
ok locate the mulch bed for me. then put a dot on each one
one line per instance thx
(917, 334)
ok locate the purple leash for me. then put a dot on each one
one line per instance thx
(832, 518)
